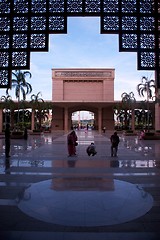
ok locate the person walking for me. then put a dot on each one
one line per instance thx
(114, 144)
(72, 143)
(7, 140)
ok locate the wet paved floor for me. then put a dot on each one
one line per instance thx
(46, 194)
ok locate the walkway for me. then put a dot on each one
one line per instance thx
(45, 194)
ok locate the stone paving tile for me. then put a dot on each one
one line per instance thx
(14, 224)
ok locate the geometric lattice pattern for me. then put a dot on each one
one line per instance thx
(25, 26)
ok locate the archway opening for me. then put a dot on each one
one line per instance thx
(83, 120)
(84, 46)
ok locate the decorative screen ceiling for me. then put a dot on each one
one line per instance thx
(26, 24)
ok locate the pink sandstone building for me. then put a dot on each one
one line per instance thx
(83, 89)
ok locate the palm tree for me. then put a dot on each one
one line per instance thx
(22, 109)
(117, 116)
(121, 117)
(37, 104)
(128, 101)
(20, 85)
(137, 117)
(7, 105)
(42, 115)
(145, 88)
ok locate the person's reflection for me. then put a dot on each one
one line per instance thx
(7, 165)
(114, 163)
(71, 163)
(7, 140)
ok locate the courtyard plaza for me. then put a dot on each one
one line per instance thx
(45, 194)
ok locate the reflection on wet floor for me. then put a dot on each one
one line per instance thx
(20, 149)
(85, 202)
(80, 192)
(134, 163)
(87, 174)
(145, 147)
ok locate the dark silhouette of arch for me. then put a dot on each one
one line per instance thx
(26, 25)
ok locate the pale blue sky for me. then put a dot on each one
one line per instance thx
(84, 47)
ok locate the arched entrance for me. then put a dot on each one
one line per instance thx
(103, 115)
(83, 120)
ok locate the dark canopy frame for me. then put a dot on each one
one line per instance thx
(25, 26)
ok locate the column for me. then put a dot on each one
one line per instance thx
(52, 121)
(133, 121)
(1, 120)
(157, 116)
(99, 120)
(66, 119)
(32, 119)
(157, 106)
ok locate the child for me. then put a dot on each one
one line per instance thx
(91, 150)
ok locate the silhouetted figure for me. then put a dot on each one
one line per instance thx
(114, 164)
(72, 143)
(114, 144)
(7, 140)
